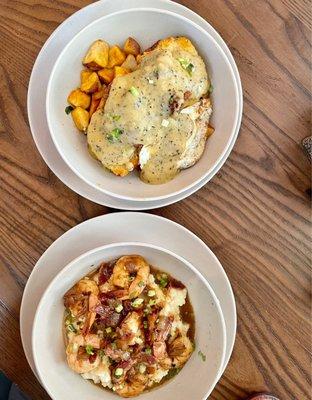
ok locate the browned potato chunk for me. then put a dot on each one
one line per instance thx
(98, 95)
(91, 83)
(116, 57)
(97, 55)
(130, 62)
(120, 71)
(81, 118)
(104, 97)
(77, 98)
(106, 75)
(94, 105)
(131, 46)
(210, 131)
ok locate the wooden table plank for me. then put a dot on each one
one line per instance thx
(254, 214)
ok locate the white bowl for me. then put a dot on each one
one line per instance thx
(147, 26)
(197, 378)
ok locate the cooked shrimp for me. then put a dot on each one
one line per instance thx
(93, 302)
(76, 299)
(180, 350)
(132, 386)
(130, 330)
(78, 360)
(123, 269)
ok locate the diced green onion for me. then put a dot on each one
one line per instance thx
(145, 324)
(119, 372)
(142, 368)
(131, 278)
(114, 135)
(151, 293)
(69, 109)
(101, 353)
(137, 302)
(202, 355)
(152, 302)
(119, 308)
(108, 330)
(89, 350)
(134, 91)
(71, 328)
(116, 117)
(187, 65)
(162, 280)
(141, 284)
(148, 350)
(114, 346)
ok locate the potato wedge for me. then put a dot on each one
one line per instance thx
(84, 75)
(116, 57)
(97, 55)
(81, 118)
(130, 63)
(131, 46)
(120, 71)
(78, 98)
(106, 75)
(91, 83)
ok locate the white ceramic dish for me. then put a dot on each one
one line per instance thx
(194, 381)
(65, 76)
(126, 226)
(37, 93)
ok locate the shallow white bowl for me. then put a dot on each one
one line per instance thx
(197, 378)
(147, 26)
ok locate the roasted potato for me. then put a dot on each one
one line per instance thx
(91, 83)
(94, 105)
(97, 55)
(77, 98)
(116, 57)
(131, 46)
(120, 71)
(104, 97)
(84, 75)
(106, 75)
(81, 118)
(130, 62)
(210, 131)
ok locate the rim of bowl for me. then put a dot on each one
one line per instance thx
(114, 194)
(143, 245)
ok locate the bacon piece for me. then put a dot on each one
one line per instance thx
(105, 272)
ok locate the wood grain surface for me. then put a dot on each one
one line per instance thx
(255, 214)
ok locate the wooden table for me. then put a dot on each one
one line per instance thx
(254, 214)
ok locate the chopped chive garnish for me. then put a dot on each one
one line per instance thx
(119, 372)
(89, 350)
(134, 91)
(145, 324)
(114, 135)
(148, 350)
(71, 328)
(137, 302)
(69, 109)
(141, 283)
(108, 330)
(116, 117)
(202, 355)
(187, 65)
(151, 293)
(119, 308)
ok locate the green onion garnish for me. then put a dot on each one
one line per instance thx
(114, 135)
(69, 109)
(141, 284)
(202, 355)
(137, 302)
(89, 350)
(119, 308)
(148, 350)
(187, 65)
(119, 372)
(116, 117)
(210, 90)
(134, 91)
(71, 328)
(151, 293)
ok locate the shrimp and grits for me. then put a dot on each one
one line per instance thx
(128, 326)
